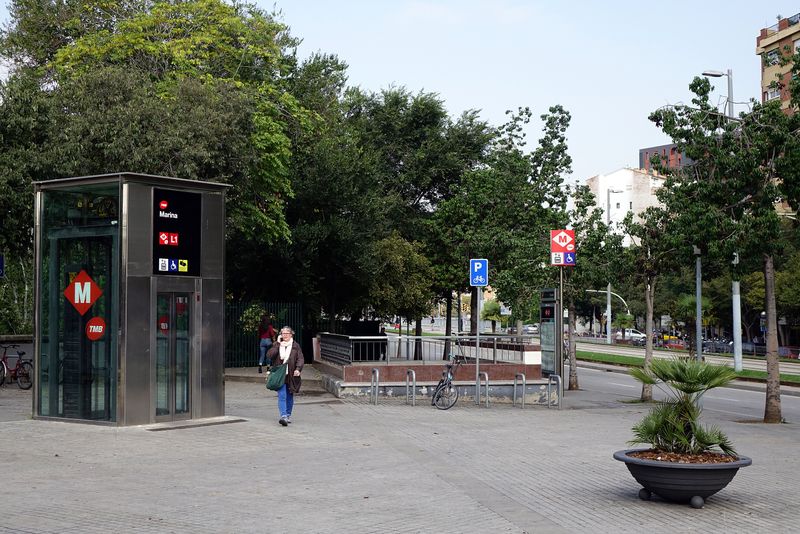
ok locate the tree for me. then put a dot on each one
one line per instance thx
(597, 249)
(491, 312)
(194, 89)
(402, 282)
(652, 253)
(725, 199)
(503, 211)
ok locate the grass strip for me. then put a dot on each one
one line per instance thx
(632, 361)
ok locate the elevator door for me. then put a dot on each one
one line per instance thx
(173, 356)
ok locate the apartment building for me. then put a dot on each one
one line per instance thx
(671, 157)
(625, 190)
(773, 43)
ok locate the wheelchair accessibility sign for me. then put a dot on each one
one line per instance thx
(478, 272)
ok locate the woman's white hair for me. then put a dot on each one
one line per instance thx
(287, 329)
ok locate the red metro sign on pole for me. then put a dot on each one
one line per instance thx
(562, 247)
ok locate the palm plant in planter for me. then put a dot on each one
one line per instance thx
(686, 461)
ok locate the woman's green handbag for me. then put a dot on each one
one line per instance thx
(276, 377)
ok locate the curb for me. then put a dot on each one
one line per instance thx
(739, 383)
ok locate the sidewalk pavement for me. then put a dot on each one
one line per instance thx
(348, 466)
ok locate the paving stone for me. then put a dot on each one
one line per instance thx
(349, 466)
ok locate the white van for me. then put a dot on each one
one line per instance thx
(631, 334)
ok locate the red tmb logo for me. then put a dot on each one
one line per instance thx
(82, 292)
(163, 204)
(95, 328)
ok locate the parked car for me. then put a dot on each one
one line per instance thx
(527, 329)
(631, 334)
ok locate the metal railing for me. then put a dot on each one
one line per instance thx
(413, 376)
(241, 346)
(482, 376)
(514, 399)
(374, 385)
(343, 349)
(550, 380)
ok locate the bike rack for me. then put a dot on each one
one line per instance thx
(557, 380)
(374, 384)
(514, 401)
(485, 375)
(411, 374)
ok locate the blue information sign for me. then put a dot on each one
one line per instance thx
(478, 272)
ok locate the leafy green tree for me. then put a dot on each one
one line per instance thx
(652, 253)
(194, 89)
(503, 211)
(402, 283)
(597, 249)
(491, 312)
(725, 198)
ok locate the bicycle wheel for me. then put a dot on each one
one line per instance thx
(3, 373)
(25, 375)
(445, 397)
(435, 391)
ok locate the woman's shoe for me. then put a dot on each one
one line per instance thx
(283, 421)
(259, 370)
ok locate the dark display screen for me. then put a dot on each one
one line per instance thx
(177, 233)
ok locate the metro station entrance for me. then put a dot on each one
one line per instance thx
(130, 296)
(173, 356)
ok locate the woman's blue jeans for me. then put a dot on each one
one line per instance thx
(263, 347)
(285, 401)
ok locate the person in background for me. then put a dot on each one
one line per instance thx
(287, 351)
(266, 335)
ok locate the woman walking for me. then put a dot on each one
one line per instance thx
(287, 351)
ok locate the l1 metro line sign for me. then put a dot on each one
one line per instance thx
(562, 247)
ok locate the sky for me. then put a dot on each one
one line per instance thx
(608, 63)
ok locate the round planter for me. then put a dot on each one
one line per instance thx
(692, 483)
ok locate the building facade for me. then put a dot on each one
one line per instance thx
(624, 191)
(670, 157)
(774, 43)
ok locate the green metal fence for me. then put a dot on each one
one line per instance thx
(241, 347)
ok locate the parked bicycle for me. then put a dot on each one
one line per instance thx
(446, 394)
(22, 372)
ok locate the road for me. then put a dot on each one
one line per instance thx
(741, 404)
(747, 363)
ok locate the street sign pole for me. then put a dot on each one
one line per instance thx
(560, 328)
(478, 347)
(478, 278)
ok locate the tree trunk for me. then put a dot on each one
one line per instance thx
(649, 293)
(573, 363)
(418, 341)
(772, 409)
(448, 327)
(460, 320)
(473, 312)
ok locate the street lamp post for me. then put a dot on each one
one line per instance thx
(698, 325)
(735, 291)
(719, 74)
(608, 291)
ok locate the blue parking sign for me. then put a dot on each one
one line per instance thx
(478, 272)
